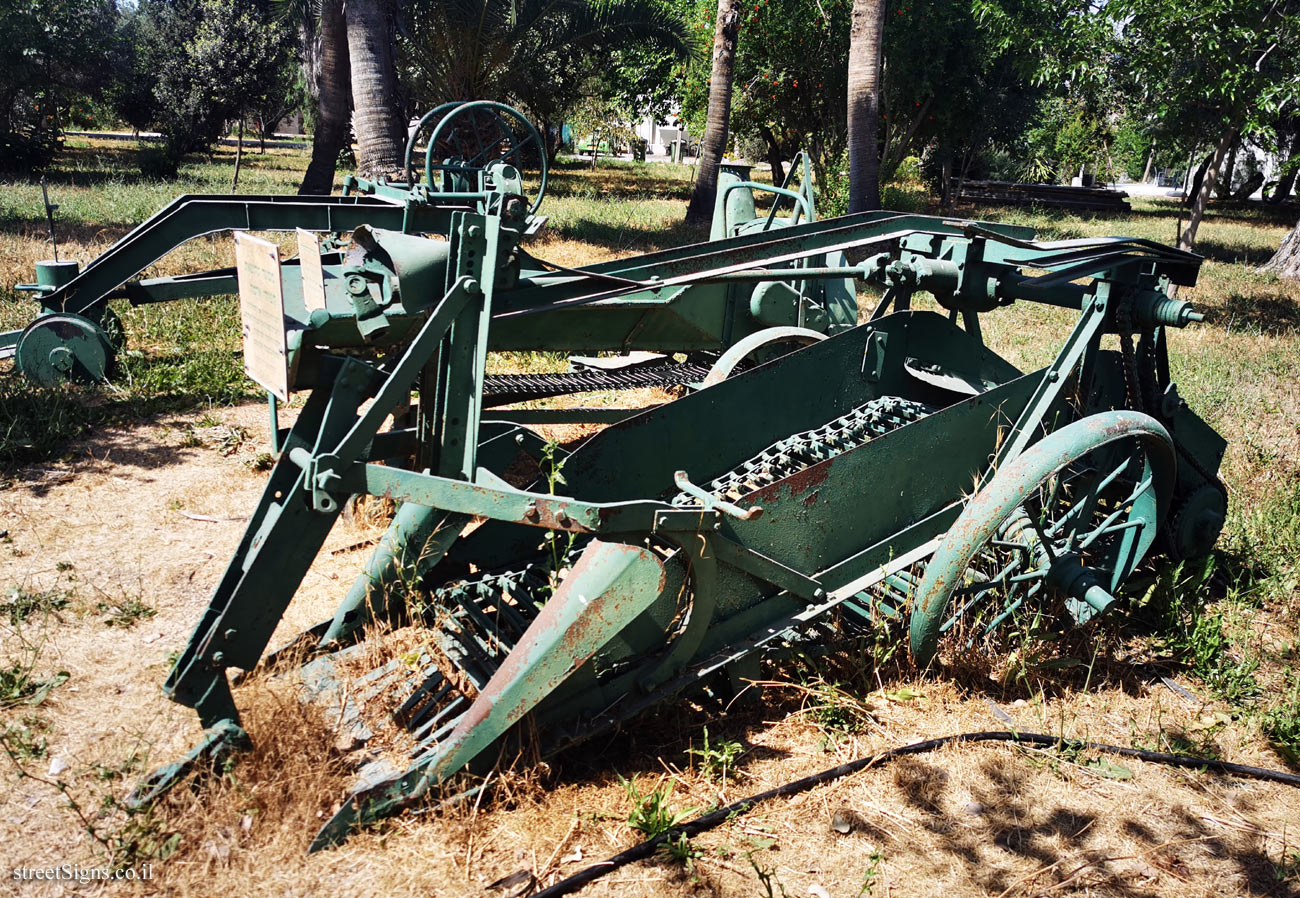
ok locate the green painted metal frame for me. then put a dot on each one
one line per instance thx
(613, 635)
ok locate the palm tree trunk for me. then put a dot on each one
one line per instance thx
(334, 89)
(715, 127)
(864, 104)
(309, 50)
(377, 116)
(1187, 239)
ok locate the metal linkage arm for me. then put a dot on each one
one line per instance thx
(192, 216)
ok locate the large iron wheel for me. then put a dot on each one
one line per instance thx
(761, 346)
(1066, 521)
(468, 137)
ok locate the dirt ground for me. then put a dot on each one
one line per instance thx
(150, 514)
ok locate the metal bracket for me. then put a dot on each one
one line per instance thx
(686, 520)
(873, 359)
(713, 503)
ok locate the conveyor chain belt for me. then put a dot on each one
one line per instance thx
(803, 450)
(502, 389)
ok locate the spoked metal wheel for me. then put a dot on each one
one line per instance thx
(1065, 523)
(468, 137)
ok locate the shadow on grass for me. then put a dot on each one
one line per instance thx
(119, 166)
(618, 181)
(1267, 312)
(66, 231)
(36, 424)
(624, 238)
(1252, 214)
(1234, 253)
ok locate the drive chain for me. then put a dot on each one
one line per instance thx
(502, 389)
(803, 450)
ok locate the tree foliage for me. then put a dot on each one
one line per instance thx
(196, 64)
(58, 54)
(538, 54)
(1209, 64)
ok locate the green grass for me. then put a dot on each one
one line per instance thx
(20, 604)
(652, 813)
(125, 612)
(19, 683)
(1281, 722)
(716, 760)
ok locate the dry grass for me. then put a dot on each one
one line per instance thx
(104, 520)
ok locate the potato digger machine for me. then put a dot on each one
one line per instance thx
(817, 477)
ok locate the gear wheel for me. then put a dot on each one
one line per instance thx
(1196, 522)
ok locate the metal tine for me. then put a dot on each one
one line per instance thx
(378, 673)
(514, 600)
(431, 708)
(438, 726)
(430, 678)
(467, 656)
(375, 689)
(440, 735)
(491, 637)
(471, 651)
(506, 607)
(528, 599)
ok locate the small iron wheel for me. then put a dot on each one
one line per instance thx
(62, 347)
(1068, 520)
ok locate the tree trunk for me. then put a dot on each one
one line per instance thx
(774, 158)
(1151, 158)
(898, 141)
(1287, 181)
(1225, 179)
(239, 155)
(1199, 178)
(377, 116)
(1286, 261)
(1187, 239)
(714, 144)
(334, 90)
(1249, 186)
(1283, 189)
(309, 50)
(864, 104)
(550, 144)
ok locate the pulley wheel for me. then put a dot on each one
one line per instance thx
(64, 347)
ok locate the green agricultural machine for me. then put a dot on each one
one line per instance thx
(76, 335)
(897, 473)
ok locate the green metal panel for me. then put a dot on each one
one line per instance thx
(707, 432)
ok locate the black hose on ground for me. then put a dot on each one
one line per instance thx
(721, 815)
